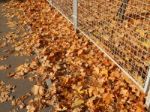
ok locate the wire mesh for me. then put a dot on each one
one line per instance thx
(65, 7)
(120, 27)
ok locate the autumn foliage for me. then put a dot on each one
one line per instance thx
(83, 79)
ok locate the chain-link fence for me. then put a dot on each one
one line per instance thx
(65, 6)
(120, 28)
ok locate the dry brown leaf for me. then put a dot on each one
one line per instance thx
(139, 107)
(108, 98)
(38, 90)
(77, 103)
(11, 24)
(30, 108)
(3, 67)
(5, 91)
(97, 70)
(104, 72)
(124, 92)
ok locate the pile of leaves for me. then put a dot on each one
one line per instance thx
(82, 78)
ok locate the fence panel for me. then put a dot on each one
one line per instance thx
(122, 29)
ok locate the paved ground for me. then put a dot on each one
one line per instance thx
(22, 86)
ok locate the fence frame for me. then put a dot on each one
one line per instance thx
(145, 89)
(75, 14)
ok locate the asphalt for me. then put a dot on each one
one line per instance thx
(22, 85)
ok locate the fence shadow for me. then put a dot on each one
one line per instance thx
(4, 1)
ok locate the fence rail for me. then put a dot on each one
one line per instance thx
(119, 28)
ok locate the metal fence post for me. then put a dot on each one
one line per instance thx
(148, 101)
(75, 14)
(147, 89)
(122, 10)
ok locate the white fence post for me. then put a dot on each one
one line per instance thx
(147, 89)
(148, 100)
(75, 14)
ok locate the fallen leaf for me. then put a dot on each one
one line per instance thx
(38, 90)
(77, 103)
(4, 67)
(107, 98)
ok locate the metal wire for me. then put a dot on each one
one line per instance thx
(125, 39)
(65, 6)
(121, 27)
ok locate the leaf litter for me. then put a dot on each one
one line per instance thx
(82, 78)
(5, 92)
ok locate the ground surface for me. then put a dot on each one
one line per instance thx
(55, 69)
(22, 86)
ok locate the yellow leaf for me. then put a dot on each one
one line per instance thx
(78, 88)
(77, 102)
(104, 72)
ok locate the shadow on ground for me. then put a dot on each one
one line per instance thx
(23, 86)
(4, 1)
